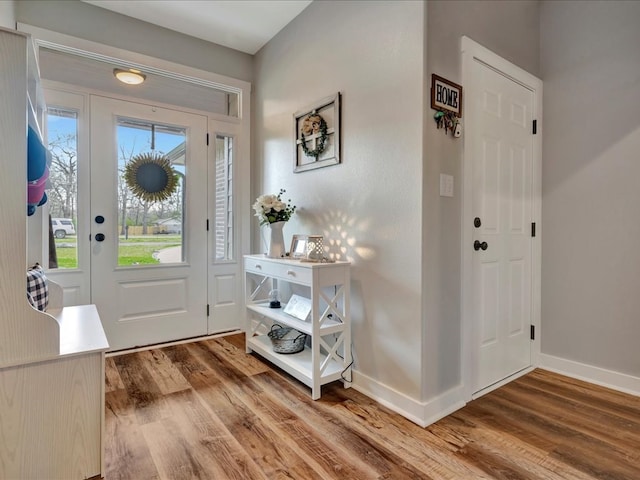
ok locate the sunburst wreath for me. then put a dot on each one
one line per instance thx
(322, 141)
(151, 177)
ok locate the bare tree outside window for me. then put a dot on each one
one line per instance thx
(62, 192)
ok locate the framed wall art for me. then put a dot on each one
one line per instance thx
(316, 130)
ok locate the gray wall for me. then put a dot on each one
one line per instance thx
(509, 29)
(591, 261)
(7, 14)
(373, 53)
(405, 247)
(89, 22)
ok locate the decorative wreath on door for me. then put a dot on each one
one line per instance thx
(151, 177)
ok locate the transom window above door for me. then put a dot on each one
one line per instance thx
(96, 72)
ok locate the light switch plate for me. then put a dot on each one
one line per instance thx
(446, 185)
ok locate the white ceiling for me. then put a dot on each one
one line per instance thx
(244, 25)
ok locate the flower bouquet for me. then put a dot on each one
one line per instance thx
(271, 209)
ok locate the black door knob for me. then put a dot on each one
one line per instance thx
(99, 237)
(477, 245)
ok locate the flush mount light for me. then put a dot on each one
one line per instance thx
(130, 77)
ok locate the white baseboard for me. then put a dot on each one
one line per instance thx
(426, 413)
(600, 376)
(443, 405)
(420, 413)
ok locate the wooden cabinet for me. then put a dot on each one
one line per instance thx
(51, 363)
(327, 355)
(52, 411)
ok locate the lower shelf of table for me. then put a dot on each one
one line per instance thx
(299, 365)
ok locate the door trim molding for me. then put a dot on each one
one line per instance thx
(472, 51)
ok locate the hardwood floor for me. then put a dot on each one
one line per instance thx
(209, 411)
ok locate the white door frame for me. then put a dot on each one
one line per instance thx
(471, 52)
(239, 127)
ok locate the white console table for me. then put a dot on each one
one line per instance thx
(328, 358)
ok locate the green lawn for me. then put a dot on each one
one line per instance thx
(130, 251)
(151, 238)
(67, 257)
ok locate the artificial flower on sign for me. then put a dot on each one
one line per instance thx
(271, 208)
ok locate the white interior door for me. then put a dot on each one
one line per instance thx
(145, 299)
(499, 114)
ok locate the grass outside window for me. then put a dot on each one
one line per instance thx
(137, 250)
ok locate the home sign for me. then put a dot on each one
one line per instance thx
(446, 95)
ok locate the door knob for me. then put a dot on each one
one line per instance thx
(100, 237)
(477, 245)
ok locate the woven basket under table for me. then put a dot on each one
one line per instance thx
(286, 339)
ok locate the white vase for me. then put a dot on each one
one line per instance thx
(276, 240)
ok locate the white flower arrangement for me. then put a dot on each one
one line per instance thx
(270, 208)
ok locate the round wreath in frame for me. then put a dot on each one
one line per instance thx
(151, 177)
(314, 124)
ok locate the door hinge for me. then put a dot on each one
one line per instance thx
(207, 139)
(533, 332)
(207, 309)
(535, 127)
(533, 229)
(207, 224)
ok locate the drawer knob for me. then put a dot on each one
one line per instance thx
(258, 266)
(291, 272)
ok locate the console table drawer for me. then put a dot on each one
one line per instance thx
(283, 270)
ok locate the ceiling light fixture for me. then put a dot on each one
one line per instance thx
(130, 77)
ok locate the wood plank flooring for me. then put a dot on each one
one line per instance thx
(209, 411)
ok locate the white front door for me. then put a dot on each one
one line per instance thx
(500, 145)
(148, 256)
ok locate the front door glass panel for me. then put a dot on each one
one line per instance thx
(224, 201)
(62, 192)
(151, 158)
